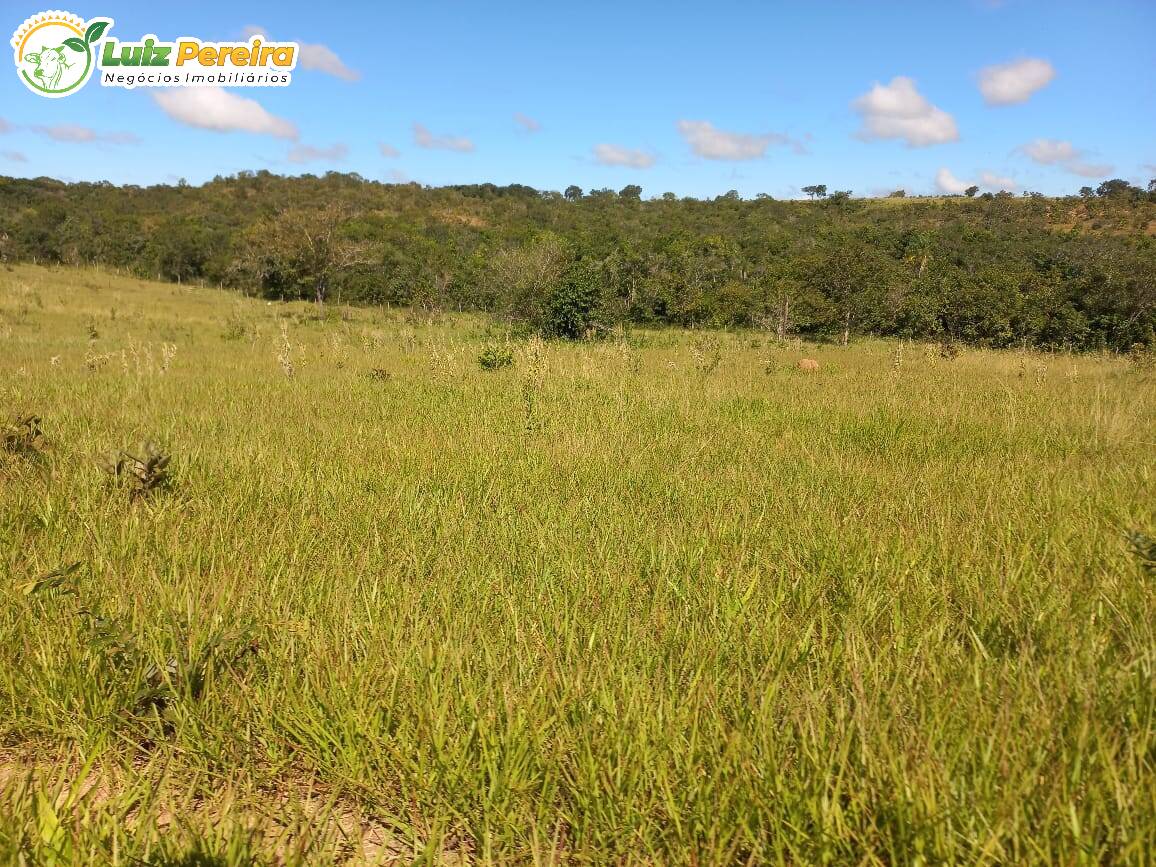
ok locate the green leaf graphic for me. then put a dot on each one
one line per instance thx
(95, 31)
(75, 44)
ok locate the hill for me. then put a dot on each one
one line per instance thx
(1075, 272)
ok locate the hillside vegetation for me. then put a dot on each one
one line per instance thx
(659, 598)
(999, 271)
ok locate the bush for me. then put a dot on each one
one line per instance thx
(574, 307)
(144, 472)
(496, 356)
(21, 435)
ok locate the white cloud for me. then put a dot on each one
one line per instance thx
(615, 155)
(68, 132)
(1010, 83)
(423, 138)
(323, 59)
(14, 156)
(526, 122)
(1052, 152)
(949, 183)
(222, 111)
(309, 154)
(316, 56)
(898, 110)
(1048, 152)
(712, 143)
(1090, 170)
(76, 134)
(996, 182)
(388, 150)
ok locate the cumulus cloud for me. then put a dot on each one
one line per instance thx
(1053, 152)
(388, 150)
(76, 134)
(711, 143)
(949, 183)
(996, 182)
(1015, 82)
(526, 122)
(1049, 152)
(615, 155)
(318, 57)
(310, 154)
(1090, 170)
(14, 156)
(898, 110)
(323, 59)
(221, 111)
(423, 138)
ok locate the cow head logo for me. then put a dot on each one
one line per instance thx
(55, 52)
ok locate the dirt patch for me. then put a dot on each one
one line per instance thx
(465, 219)
(296, 816)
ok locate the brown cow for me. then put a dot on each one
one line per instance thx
(808, 364)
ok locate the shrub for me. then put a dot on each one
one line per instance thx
(1143, 548)
(235, 328)
(22, 435)
(1142, 357)
(707, 352)
(144, 472)
(574, 307)
(495, 356)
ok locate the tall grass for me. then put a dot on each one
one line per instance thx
(662, 599)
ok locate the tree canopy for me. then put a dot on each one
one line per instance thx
(1002, 270)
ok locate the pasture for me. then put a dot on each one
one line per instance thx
(662, 598)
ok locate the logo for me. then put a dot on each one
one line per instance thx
(57, 52)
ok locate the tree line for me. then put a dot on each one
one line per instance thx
(999, 270)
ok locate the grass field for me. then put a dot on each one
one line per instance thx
(661, 599)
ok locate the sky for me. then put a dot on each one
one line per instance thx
(691, 98)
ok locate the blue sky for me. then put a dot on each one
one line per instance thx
(696, 99)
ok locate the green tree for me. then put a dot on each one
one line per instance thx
(1116, 187)
(525, 276)
(302, 250)
(574, 307)
(849, 274)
